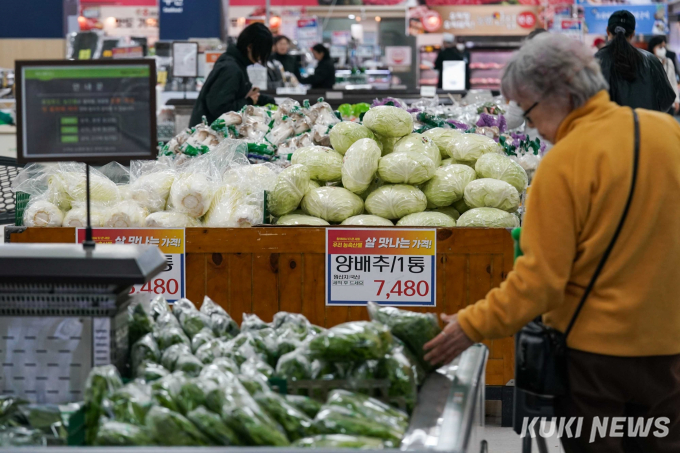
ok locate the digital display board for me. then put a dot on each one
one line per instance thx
(95, 111)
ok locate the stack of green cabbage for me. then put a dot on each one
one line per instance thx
(199, 379)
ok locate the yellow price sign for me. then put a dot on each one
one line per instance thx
(85, 54)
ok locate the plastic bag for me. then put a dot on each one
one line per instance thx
(192, 394)
(254, 366)
(361, 372)
(305, 404)
(254, 384)
(150, 371)
(414, 329)
(252, 322)
(171, 354)
(289, 188)
(341, 441)
(398, 369)
(172, 335)
(42, 213)
(352, 341)
(394, 201)
(333, 204)
(295, 423)
(77, 216)
(140, 323)
(225, 364)
(193, 321)
(283, 321)
(101, 382)
(368, 407)
(150, 183)
(144, 350)
(72, 180)
(294, 366)
(165, 321)
(126, 214)
(222, 324)
(202, 337)
(333, 419)
(210, 424)
(117, 434)
(172, 429)
(189, 364)
(170, 220)
(225, 203)
(158, 306)
(130, 404)
(165, 391)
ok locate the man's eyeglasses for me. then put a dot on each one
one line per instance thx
(525, 115)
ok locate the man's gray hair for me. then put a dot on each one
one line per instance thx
(555, 67)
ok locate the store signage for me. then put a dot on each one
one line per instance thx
(392, 266)
(120, 21)
(171, 283)
(127, 52)
(489, 20)
(173, 6)
(398, 56)
(649, 19)
(308, 32)
(184, 59)
(188, 19)
(211, 57)
(428, 91)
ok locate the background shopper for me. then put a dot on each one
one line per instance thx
(289, 62)
(324, 74)
(636, 78)
(624, 356)
(657, 46)
(449, 52)
(228, 88)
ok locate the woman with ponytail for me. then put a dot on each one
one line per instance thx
(636, 77)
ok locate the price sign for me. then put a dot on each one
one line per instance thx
(390, 266)
(171, 282)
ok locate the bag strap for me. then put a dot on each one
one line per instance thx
(598, 270)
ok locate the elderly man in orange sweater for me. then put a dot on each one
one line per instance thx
(624, 349)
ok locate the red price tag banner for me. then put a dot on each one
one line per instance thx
(394, 266)
(170, 241)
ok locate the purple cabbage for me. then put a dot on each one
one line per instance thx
(458, 124)
(394, 101)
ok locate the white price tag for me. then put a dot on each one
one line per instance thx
(428, 92)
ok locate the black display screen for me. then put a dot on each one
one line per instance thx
(87, 112)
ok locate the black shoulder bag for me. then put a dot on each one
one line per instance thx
(541, 366)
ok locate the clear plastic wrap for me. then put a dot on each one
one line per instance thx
(204, 336)
(367, 220)
(170, 354)
(341, 441)
(420, 144)
(210, 424)
(388, 121)
(305, 404)
(252, 179)
(408, 167)
(324, 164)
(150, 183)
(117, 434)
(72, 176)
(299, 219)
(193, 321)
(352, 341)
(101, 382)
(222, 324)
(427, 219)
(256, 367)
(150, 371)
(294, 366)
(397, 368)
(395, 201)
(334, 419)
(488, 218)
(289, 187)
(492, 193)
(170, 336)
(445, 139)
(130, 403)
(323, 114)
(294, 422)
(191, 194)
(368, 407)
(224, 208)
(125, 214)
(281, 132)
(225, 120)
(164, 391)
(345, 134)
(386, 144)
(448, 185)
(497, 166)
(470, 147)
(333, 204)
(77, 216)
(42, 213)
(172, 429)
(170, 219)
(360, 165)
(144, 350)
(188, 364)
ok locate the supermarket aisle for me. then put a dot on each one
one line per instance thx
(505, 440)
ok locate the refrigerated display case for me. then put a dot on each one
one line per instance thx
(427, 55)
(486, 66)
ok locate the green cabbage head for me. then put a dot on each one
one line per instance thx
(501, 167)
(324, 164)
(427, 218)
(333, 204)
(448, 210)
(491, 193)
(395, 201)
(488, 218)
(370, 220)
(448, 184)
(299, 219)
(291, 185)
(389, 121)
(410, 167)
(344, 134)
(470, 147)
(360, 165)
(445, 139)
(419, 143)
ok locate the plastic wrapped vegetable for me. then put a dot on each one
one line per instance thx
(210, 350)
(501, 167)
(223, 209)
(389, 121)
(192, 194)
(118, 434)
(126, 214)
(492, 193)
(414, 329)
(42, 213)
(341, 441)
(164, 321)
(460, 206)
(210, 424)
(193, 321)
(252, 179)
(369, 220)
(101, 382)
(299, 219)
(448, 185)
(408, 167)
(470, 147)
(225, 364)
(150, 371)
(170, 220)
(77, 217)
(291, 185)
(448, 210)
(397, 368)
(73, 179)
(488, 218)
(131, 403)
(140, 323)
(170, 355)
(420, 144)
(360, 165)
(324, 164)
(188, 364)
(151, 190)
(345, 134)
(445, 139)
(254, 384)
(144, 350)
(158, 306)
(202, 337)
(165, 391)
(252, 322)
(192, 394)
(368, 407)
(361, 372)
(340, 420)
(256, 366)
(294, 422)
(295, 321)
(352, 341)
(172, 429)
(305, 404)
(428, 218)
(222, 324)
(170, 336)
(395, 201)
(333, 204)
(294, 366)
(386, 144)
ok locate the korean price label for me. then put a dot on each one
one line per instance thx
(390, 266)
(171, 242)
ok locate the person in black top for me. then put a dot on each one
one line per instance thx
(636, 77)
(324, 74)
(289, 62)
(448, 53)
(228, 87)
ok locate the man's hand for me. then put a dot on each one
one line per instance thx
(254, 94)
(449, 344)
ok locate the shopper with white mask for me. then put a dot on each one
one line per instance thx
(657, 46)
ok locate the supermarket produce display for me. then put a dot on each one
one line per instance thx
(392, 163)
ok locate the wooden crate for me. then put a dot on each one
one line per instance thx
(269, 269)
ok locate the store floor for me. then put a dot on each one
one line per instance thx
(505, 440)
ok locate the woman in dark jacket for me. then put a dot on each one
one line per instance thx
(228, 88)
(324, 74)
(636, 78)
(289, 62)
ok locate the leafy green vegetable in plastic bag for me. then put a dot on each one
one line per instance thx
(296, 424)
(414, 329)
(252, 322)
(210, 424)
(222, 324)
(170, 355)
(170, 336)
(144, 350)
(305, 404)
(211, 350)
(101, 382)
(150, 371)
(226, 365)
(352, 341)
(328, 371)
(9, 409)
(294, 366)
(293, 321)
(41, 416)
(254, 384)
(193, 321)
(397, 369)
(189, 364)
(254, 366)
(205, 335)
(20, 436)
(139, 323)
(173, 429)
(181, 306)
(361, 372)
(368, 407)
(248, 344)
(192, 394)
(341, 441)
(119, 434)
(166, 390)
(158, 306)
(340, 420)
(418, 370)
(163, 322)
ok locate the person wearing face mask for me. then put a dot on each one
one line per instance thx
(228, 87)
(280, 53)
(449, 52)
(636, 77)
(657, 46)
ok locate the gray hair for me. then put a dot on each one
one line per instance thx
(555, 67)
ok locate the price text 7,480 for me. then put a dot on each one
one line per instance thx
(406, 288)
